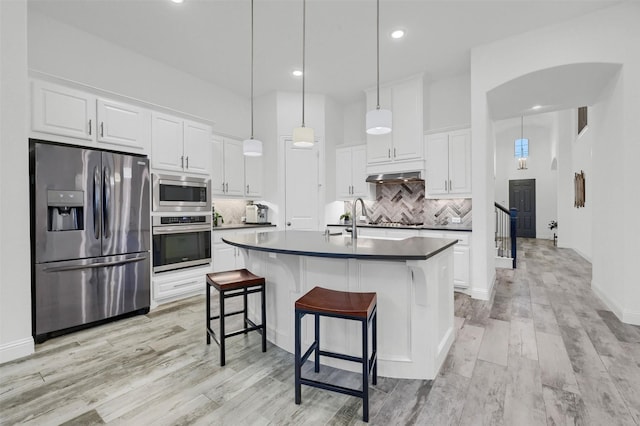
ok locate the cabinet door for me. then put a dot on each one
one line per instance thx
(217, 172)
(198, 151)
(460, 162)
(233, 167)
(407, 121)
(123, 124)
(224, 257)
(62, 111)
(359, 186)
(343, 173)
(379, 147)
(461, 261)
(437, 150)
(253, 176)
(166, 142)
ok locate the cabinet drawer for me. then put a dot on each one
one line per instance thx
(173, 288)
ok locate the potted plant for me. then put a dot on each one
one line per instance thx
(345, 218)
(217, 219)
(554, 225)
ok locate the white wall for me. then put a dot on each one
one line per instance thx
(354, 122)
(64, 51)
(15, 264)
(448, 103)
(616, 147)
(541, 153)
(575, 225)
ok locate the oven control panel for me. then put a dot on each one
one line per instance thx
(179, 220)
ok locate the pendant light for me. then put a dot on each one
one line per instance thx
(522, 147)
(252, 147)
(303, 136)
(378, 120)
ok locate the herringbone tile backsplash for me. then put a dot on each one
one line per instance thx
(405, 203)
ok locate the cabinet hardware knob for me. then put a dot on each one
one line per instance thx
(389, 153)
(288, 223)
(89, 126)
(182, 161)
(187, 162)
(102, 129)
(394, 153)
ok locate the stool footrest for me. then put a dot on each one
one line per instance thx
(242, 331)
(341, 356)
(230, 314)
(329, 386)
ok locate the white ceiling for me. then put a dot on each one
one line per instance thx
(210, 38)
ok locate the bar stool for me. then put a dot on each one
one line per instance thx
(234, 284)
(338, 304)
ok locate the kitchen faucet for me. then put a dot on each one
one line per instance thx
(354, 231)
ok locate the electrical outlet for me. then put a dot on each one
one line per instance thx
(455, 220)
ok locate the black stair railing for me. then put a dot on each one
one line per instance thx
(505, 232)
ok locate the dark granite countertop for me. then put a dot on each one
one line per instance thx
(242, 226)
(449, 227)
(314, 243)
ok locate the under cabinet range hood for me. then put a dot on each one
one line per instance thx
(395, 177)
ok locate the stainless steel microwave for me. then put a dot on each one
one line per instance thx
(175, 193)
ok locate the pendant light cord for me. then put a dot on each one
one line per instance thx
(378, 52)
(304, 14)
(251, 69)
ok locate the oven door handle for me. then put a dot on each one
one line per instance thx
(161, 230)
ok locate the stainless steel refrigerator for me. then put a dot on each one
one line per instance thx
(90, 231)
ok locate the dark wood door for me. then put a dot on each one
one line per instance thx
(522, 196)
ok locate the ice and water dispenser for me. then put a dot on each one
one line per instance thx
(65, 210)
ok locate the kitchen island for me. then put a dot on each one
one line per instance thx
(412, 277)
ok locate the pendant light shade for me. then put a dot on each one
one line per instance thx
(378, 120)
(303, 137)
(252, 147)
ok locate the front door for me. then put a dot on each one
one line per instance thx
(522, 196)
(301, 187)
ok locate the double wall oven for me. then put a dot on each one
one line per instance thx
(182, 240)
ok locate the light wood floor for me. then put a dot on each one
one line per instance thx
(544, 351)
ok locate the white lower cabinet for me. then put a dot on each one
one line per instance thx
(461, 255)
(227, 257)
(169, 286)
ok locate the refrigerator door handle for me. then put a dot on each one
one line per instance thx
(96, 203)
(106, 205)
(93, 265)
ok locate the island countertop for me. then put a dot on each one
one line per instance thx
(317, 244)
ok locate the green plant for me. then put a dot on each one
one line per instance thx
(346, 216)
(553, 224)
(217, 218)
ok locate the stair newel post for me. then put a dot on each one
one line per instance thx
(513, 214)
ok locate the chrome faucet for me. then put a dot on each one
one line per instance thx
(354, 229)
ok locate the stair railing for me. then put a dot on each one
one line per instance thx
(505, 232)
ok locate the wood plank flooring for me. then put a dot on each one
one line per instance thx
(544, 350)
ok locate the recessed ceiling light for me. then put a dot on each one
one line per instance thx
(535, 107)
(297, 73)
(396, 34)
(177, 1)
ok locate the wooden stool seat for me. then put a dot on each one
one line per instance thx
(229, 284)
(338, 302)
(361, 307)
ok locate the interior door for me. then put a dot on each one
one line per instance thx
(301, 187)
(522, 196)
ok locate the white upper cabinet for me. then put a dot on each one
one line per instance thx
(228, 167)
(404, 143)
(180, 145)
(198, 151)
(122, 124)
(448, 163)
(253, 169)
(62, 111)
(351, 172)
(89, 120)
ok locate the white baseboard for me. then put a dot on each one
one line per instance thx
(624, 315)
(483, 293)
(16, 349)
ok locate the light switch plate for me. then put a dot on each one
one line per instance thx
(455, 220)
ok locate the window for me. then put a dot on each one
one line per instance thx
(522, 148)
(582, 119)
